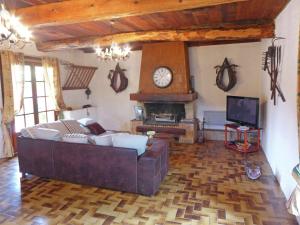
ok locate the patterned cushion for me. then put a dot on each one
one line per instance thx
(96, 128)
(58, 125)
(76, 138)
(74, 127)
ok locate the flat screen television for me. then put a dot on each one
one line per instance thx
(243, 110)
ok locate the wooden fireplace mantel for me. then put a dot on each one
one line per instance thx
(163, 97)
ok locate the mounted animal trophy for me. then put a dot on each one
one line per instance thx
(118, 80)
(220, 70)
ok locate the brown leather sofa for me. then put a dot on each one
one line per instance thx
(108, 167)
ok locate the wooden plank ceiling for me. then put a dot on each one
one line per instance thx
(228, 16)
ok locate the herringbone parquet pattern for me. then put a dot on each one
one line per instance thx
(206, 184)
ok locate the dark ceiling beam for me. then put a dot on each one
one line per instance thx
(78, 11)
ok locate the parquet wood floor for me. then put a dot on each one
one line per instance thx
(206, 184)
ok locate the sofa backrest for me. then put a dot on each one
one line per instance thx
(102, 166)
(89, 164)
(63, 126)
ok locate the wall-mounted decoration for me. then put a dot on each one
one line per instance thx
(79, 77)
(271, 63)
(220, 70)
(118, 80)
(88, 92)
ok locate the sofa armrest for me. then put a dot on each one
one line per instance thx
(35, 156)
(149, 172)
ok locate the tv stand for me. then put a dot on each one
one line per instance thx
(242, 144)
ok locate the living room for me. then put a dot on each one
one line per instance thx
(201, 181)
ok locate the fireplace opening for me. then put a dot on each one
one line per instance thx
(164, 112)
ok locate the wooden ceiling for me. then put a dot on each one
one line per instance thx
(214, 21)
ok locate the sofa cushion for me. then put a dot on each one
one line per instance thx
(74, 127)
(104, 139)
(46, 134)
(96, 128)
(76, 138)
(58, 125)
(86, 121)
(138, 142)
(27, 132)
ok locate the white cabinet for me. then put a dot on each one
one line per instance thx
(77, 114)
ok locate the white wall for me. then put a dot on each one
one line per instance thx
(202, 62)
(280, 134)
(115, 110)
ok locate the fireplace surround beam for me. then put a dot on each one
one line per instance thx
(157, 129)
(163, 97)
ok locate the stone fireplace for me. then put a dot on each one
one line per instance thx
(169, 109)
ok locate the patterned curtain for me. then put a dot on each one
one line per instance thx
(13, 90)
(293, 203)
(52, 78)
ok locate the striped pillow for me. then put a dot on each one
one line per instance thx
(58, 125)
(74, 127)
(76, 138)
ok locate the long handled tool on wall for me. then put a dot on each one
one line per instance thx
(272, 59)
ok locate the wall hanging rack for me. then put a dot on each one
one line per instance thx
(272, 61)
(79, 77)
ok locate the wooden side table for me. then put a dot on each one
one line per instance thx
(242, 143)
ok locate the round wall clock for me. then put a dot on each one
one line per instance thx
(162, 77)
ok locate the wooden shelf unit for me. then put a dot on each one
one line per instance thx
(242, 137)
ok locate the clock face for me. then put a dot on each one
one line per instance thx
(162, 77)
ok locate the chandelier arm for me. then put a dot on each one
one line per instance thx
(14, 33)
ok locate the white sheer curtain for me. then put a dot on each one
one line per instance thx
(52, 78)
(13, 90)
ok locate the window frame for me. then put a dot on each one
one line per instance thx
(33, 63)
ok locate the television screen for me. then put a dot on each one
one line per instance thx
(243, 110)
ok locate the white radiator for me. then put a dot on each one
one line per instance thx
(214, 120)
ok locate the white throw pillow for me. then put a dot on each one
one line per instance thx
(46, 134)
(86, 121)
(105, 140)
(76, 138)
(138, 142)
(27, 132)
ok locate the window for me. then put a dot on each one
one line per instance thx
(38, 105)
